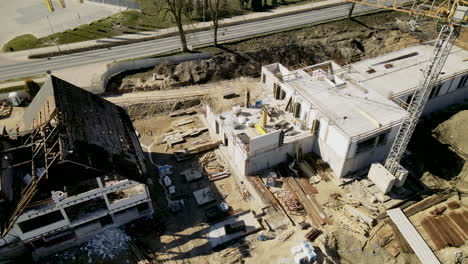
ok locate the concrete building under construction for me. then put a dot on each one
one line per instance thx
(348, 116)
(77, 169)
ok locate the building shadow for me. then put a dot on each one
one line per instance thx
(428, 154)
(189, 224)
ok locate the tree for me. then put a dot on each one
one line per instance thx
(180, 10)
(32, 87)
(243, 3)
(214, 7)
(256, 5)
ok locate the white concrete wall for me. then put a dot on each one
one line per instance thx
(441, 102)
(337, 141)
(128, 201)
(53, 227)
(210, 118)
(264, 142)
(357, 161)
(448, 95)
(87, 229)
(240, 158)
(81, 198)
(86, 232)
(270, 78)
(278, 155)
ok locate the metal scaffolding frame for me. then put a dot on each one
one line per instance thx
(45, 145)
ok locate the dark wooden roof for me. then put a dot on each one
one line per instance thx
(93, 131)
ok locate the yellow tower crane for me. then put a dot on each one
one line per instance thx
(453, 13)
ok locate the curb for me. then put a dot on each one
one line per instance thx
(170, 34)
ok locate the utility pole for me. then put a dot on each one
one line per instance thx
(52, 30)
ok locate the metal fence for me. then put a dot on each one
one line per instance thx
(122, 3)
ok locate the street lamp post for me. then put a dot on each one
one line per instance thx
(52, 30)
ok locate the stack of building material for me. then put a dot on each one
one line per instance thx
(312, 234)
(304, 253)
(311, 206)
(292, 204)
(182, 113)
(183, 122)
(218, 176)
(320, 166)
(138, 254)
(306, 169)
(187, 153)
(5, 109)
(449, 229)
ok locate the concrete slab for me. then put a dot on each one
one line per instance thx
(204, 196)
(414, 239)
(217, 235)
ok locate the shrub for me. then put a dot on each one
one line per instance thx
(31, 87)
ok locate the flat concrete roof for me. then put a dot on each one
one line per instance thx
(352, 109)
(414, 239)
(399, 72)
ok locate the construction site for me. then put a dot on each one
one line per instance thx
(298, 160)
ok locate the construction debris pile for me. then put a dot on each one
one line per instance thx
(213, 168)
(5, 109)
(107, 244)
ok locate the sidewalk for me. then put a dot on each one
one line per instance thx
(23, 55)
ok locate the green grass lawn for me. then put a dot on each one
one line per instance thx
(23, 42)
(127, 22)
(15, 88)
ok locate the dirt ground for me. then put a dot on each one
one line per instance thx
(345, 240)
(343, 41)
(184, 240)
(453, 132)
(14, 120)
(442, 133)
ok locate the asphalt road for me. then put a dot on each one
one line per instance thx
(41, 66)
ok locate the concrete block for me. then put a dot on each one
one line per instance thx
(401, 176)
(381, 177)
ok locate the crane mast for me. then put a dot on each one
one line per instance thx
(454, 14)
(442, 47)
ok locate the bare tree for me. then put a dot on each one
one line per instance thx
(214, 7)
(180, 10)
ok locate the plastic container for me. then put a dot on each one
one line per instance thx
(236, 110)
(167, 181)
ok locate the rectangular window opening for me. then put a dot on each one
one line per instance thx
(365, 145)
(40, 221)
(462, 82)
